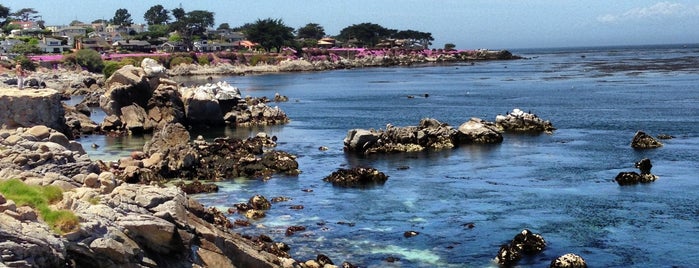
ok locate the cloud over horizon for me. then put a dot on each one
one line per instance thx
(659, 10)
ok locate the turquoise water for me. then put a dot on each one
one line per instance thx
(559, 185)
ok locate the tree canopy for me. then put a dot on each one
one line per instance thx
(270, 33)
(122, 17)
(25, 14)
(4, 11)
(157, 15)
(367, 34)
(312, 31)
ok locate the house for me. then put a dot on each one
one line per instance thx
(93, 43)
(70, 31)
(170, 47)
(327, 42)
(52, 45)
(7, 44)
(133, 45)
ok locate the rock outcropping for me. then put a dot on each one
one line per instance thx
(569, 260)
(142, 99)
(519, 121)
(31, 107)
(630, 178)
(641, 140)
(525, 242)
(356, 177)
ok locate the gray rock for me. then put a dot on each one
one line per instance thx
(477, 130)
(568, 260)
(641, 140)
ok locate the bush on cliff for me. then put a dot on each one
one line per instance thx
(180, 60)
(39, 197)
(110, 67)
(89, 59)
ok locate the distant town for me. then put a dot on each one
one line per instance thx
(168, 31)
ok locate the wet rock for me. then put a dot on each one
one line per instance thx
(196, 187)
(255, 214)
(280, 98)
(356, 177)
(665, 137)
(525, 242)
(519, 121)
(409, 234)
(293, 229)
(641, 140)
(630, 178)
(324, 260)
(569, 260)
(259, 202)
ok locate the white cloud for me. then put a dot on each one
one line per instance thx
(658, 10)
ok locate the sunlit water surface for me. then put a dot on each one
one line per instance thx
(559, 185)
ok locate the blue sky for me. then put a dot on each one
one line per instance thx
(493, 24)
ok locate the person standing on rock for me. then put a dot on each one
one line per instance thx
(20, 75)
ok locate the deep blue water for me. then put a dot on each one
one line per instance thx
(559, 185)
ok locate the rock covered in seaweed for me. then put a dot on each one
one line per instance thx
(641, 140)
(525, 242)
(519, 121)
(630, 178)
(356, 177)
(568, 260)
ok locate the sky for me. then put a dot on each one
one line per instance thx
(493, 24)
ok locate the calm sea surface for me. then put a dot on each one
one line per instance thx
(559, 185)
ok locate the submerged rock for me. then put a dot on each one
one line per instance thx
(356, 177)
(630, 178)
(644, 141)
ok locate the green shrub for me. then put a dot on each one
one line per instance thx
(90, 59)
(180, 60)
(39, 197)
(204, 60)
(26, 63)
(110, 67)
(257, 58)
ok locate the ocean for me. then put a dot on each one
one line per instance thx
(468, 201)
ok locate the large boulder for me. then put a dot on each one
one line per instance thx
(126, 86)
(641, 140)
(520, 122)
(208, 103)
(479, 131)
(171, 146)
(27, 108)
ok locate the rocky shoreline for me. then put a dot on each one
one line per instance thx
(128, 217)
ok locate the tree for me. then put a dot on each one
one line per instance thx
(199, 20)
(425, 39)
(25, 48)
(122, 17)
(4, 11)
(157, 15)
(26, 14)
(75, 23)
(312, 31)
(367, 34)
(178, 13)
(224, 26)
(449, 46)
(270, 33)
(99, 21)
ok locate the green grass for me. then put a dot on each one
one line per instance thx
(39, 197)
